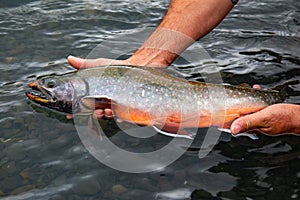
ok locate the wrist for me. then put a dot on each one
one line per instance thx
(152, 57)
(161, 48)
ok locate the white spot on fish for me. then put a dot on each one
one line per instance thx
(143, 93)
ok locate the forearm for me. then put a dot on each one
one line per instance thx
(195, 18)
(185, 22)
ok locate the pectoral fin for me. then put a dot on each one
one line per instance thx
(93, 103)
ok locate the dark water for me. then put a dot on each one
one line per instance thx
(41, 154)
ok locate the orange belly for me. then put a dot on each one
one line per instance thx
(177, 121)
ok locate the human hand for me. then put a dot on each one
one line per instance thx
(79, 63)
(142, 57)
(273, 120)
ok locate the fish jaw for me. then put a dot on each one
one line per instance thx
(74, 105)
(40, 96)
(45, 98)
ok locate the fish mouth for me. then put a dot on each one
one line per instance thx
(39, 94)
(44, 97)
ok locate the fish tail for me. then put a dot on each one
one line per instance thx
(285, 89)
(282, 91)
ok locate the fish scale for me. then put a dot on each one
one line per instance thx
(150, 96)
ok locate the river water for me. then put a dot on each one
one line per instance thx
(41, 155)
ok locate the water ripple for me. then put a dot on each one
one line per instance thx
(43, 158)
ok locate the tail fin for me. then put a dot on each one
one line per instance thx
(285, 89)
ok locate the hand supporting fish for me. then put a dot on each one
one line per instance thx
(273, 120)
(149, 96)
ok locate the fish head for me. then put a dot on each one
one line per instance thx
(58, 93)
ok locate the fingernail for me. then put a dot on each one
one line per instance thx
(70, 56)
(98, 114)
(69, 116)
(236, 129)
(74, 58)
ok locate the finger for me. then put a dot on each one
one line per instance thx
(98, 114)
(69, 116)
(256, 86)
(75, 62)
(80, 63)
(108, 113)
(247, 122)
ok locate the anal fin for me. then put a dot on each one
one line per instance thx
(179, 134)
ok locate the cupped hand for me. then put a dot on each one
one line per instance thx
(272, 120)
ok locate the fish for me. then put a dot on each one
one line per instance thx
(150, 97)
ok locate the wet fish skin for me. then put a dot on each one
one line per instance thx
(149, 96)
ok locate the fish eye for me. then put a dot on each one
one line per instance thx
(51, 84)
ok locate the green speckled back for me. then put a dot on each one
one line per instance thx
(144, 88)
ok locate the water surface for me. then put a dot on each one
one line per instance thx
(41, 154)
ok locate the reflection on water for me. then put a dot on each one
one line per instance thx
(43, 158)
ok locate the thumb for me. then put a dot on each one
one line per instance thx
(80, 63)
(77, 63)
(246, 123)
